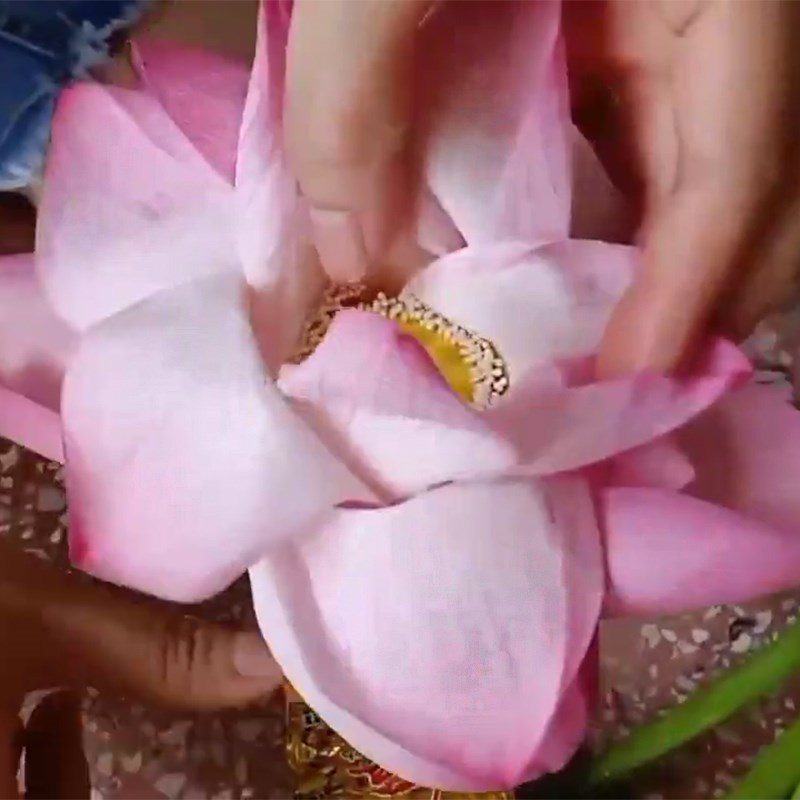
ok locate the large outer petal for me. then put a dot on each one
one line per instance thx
(536, 304)
(667, 553)
(32, 425)
(35, 347)
(567, 730)
(129, 206)
(560, 427)
(746, 454)
(438, 636)
(660, 464)
(377, 394)
(184, 464)
(203, 92)
(492, 90)
(271, 222)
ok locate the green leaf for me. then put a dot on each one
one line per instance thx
(776, 770)
(761, 674)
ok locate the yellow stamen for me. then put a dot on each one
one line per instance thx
(446, 354)
(469, 363)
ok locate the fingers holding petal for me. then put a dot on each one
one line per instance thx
(347, 123)
(727, 70)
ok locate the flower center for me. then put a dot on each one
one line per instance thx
(470, 364)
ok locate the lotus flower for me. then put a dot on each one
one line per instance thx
(429, 572)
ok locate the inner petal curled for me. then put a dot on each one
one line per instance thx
(472, 365)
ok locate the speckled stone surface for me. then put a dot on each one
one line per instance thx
(651, 665)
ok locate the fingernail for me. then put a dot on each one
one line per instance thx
(252, 657)
(339, 239)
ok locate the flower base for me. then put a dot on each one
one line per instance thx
(326, 766)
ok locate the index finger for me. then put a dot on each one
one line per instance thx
(347, 117)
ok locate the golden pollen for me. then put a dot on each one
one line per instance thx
(470, 364)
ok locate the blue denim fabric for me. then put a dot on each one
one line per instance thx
(44, 44)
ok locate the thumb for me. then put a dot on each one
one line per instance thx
(67, 631)
(153, 652)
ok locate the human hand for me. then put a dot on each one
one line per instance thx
(708, 87)
(347, 123)
(57, 630)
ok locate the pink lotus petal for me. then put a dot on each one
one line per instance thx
(560, 429)
(184, 463)
(439, 635)
(492, 90)
(126, 212)
(746, 452)
(668, 553)
(536, 304)
(272, 227)
(35, 345)
(203, 92)
(34, 348)
(660, 464)
(396, 421)
(566, 731)
(34, 426)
